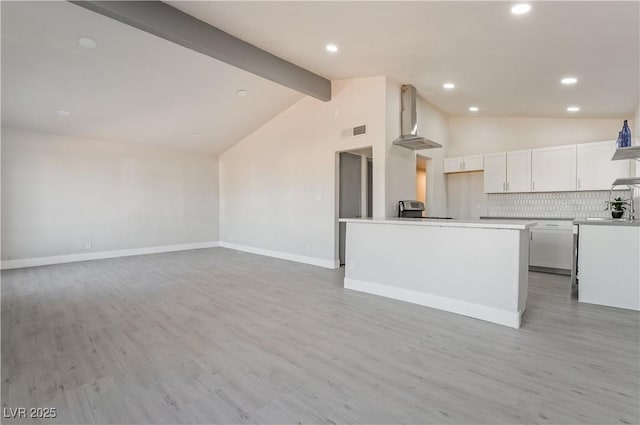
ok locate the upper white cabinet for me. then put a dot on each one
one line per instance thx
(595, 170)
(519, 171)
(553, 169)
(463, 164)
(507, 172)
(495, 173)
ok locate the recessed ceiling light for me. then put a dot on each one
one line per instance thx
(63, 113)
(520, 8)
(474, 108)
(87, 43)
(569, 80)
(242, 92)
(449, 86)
(331, 48)
(193, 134)
(573, 109)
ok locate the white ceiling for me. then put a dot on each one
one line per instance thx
(134, 87)
(507, 65)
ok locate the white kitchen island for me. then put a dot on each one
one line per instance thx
(475, 268)
(609, 262)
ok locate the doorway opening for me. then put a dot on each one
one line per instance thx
(421, 179)
(354, 190)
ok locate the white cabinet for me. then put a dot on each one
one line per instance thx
(452, 165)
(519, 171)
(463, 164)
(553, 169)
(595, 170)
(495, 173)
(473, 163)
(507, 172)
(551, 245)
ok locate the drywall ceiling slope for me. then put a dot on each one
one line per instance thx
(507, 65)
(160, 19)
(133, 87)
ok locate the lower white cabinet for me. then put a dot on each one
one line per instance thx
(551, 245)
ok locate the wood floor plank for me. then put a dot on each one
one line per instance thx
(220, 336)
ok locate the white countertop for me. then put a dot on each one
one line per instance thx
(606, 222)
(484, 224)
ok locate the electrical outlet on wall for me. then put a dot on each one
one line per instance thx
(352, 264)
(87, 245)
(308, 247)
(229, 237)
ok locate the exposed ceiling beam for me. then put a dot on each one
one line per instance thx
(167, 22)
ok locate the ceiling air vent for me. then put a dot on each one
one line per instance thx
(355, 131)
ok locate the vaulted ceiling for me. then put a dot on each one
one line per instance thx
(136, 87)
(507, 65)
(133, 87)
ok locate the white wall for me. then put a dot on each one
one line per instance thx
(278, 185)
(635, 128)
(434, 124)
(635, 133)
(59, 192)
(485, 135)
(400, 165)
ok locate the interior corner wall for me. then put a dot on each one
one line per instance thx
(635, 133)
(278, 185)
(60, 193)
(434, 124)
(401, 162)
(400, 166)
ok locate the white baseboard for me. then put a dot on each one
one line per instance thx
(320, 262)
(490, 314)
(85, 256)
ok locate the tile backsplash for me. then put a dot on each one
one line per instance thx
(552, 204)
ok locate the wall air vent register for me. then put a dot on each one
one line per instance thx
(355, 131)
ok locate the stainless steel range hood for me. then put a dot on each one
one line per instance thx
(408, 123)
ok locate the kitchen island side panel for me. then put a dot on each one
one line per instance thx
(609, 265)
(479, 272)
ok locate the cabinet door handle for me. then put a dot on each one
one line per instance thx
(462, 165)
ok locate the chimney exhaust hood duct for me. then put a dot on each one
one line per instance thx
(409, 127)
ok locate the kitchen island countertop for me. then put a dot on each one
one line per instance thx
(512, 224)
(606, 222)
(528, 218)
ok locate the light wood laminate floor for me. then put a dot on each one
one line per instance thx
(220, 336)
